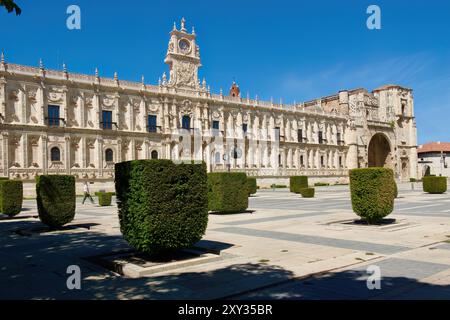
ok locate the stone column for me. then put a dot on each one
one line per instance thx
(3, 98)
(98, 110)
(100, 155)
(352, 154)
(289, 159)
(166, 122)
(317, 158)
(40, 98)
(146, 145)
(119, 150)
(44, 142)
(133, 149)
(67, 153)
(208, 157)
(5, 149)
(131, 119)
(82, 111)
(83, 152)
(25, 150)
(65, 105)
(143, 113)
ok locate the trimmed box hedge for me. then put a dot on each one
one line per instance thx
(11, 197)
(55, 195)
(307, 192)
(372, 192)
(227, 192)
(296, 183)
(4, 178)
(435, 185)
(162, 206)
(252, 186)
(104, 198)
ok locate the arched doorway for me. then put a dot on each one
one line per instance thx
(379, 151)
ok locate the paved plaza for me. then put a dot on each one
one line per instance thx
(284, 247)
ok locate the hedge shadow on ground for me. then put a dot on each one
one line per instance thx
(35, 268)
(350, 285)
(219, 213)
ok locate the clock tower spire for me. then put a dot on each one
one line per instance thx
(183, 58)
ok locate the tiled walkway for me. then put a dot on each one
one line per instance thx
(286, 247)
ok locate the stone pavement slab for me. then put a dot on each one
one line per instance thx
(286, 248)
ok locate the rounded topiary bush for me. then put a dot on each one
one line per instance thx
(55, 196)
(372, 192)
(252, 186)
(307, 192)
(162, 206)
(433, 184)
(11, 197)
(296, 183)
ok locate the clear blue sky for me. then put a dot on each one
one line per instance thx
(295, 50)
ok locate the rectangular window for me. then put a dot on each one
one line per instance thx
(320, 137)
(321, 161)
(277, 133)
(300, 135)
(107, 119)
(244, 128)
(338, 137)
(151, 123)
(216, 125)
(186, 122)
(340, 161)
(53, 116)
(301, 160)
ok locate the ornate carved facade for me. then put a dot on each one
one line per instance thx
(55, 122)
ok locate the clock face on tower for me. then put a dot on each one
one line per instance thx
(184, 45)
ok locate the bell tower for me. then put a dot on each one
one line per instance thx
(183, 58)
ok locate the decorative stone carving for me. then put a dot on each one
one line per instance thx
(14, 95)
(55, 96)
(108, 101)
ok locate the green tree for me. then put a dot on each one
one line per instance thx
(11, 6)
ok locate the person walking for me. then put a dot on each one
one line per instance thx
(87, 193)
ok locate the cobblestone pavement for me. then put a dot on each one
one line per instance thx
(285, 247)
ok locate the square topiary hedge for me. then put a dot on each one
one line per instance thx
(307, 192)
(55, 195)
(11, 197)
(227, 192)
(162, 206)
(104, 198)
(252, 186)
(296, 183)
(373, 191)
(435, 185)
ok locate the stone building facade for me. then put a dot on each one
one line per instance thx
(434, 159)
(56, 122)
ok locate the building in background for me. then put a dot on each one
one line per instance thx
(434, 159)
(57, 122)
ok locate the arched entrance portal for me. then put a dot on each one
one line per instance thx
(379, 151)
